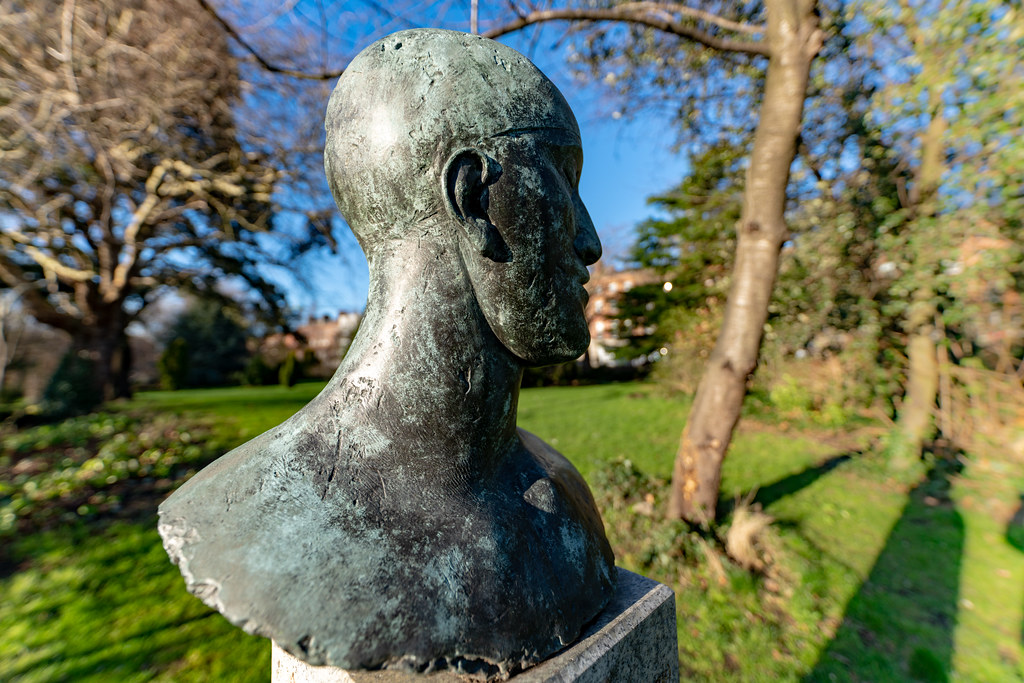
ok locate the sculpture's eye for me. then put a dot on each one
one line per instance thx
(571, 171)
(567, 160)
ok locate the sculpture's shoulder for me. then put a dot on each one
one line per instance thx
(544, 451)
(565, 475)
(303, 536)
(555, 464)
(250, 472)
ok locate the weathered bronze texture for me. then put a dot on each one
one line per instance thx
(401, 519)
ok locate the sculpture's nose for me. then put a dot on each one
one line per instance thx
(587, 243)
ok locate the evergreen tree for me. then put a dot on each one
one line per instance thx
(214, 344)
(692, 248)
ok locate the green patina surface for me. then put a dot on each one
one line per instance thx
(399, 519)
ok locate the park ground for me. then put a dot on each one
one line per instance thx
(861, 575)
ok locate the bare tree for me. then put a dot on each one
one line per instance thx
(121, 172)
(790, 38)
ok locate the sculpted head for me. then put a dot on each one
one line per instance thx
(456, 138)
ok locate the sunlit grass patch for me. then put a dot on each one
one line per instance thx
(862, 578)
(104, 604)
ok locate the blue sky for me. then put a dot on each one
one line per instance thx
(626, 160)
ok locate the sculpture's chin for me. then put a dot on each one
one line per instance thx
(558, 351)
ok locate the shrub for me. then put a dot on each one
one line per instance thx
(173, 365)
(795, 398)
(258, 373)
(790, 398)
(72, 389)
(288, 373)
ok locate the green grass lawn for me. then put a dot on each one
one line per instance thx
(866, 579)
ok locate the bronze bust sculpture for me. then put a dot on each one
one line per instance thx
(401, 520)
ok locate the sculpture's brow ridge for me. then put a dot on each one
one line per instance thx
(534, 129)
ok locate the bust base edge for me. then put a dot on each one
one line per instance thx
(633, 640)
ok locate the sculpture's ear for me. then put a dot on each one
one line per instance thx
(466, 177)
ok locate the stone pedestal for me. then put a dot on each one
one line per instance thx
(632, 641)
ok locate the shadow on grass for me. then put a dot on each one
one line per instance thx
(766, 495)
(899, 626)
(1015, 535)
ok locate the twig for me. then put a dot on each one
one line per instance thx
(273, 68)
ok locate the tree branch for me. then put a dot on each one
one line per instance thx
(634, 13)
(49, 264)
(37, 304)
(722, 22)
(119, 278)
(273, 68)
(67, 52)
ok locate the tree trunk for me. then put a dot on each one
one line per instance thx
(8, 347)
(916, 422)
(105, 345)
(794, 40)
(6, 353)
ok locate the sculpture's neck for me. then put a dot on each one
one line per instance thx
(426, 382)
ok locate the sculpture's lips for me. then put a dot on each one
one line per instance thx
(577, 272)
(583, 278)
(583, 273)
